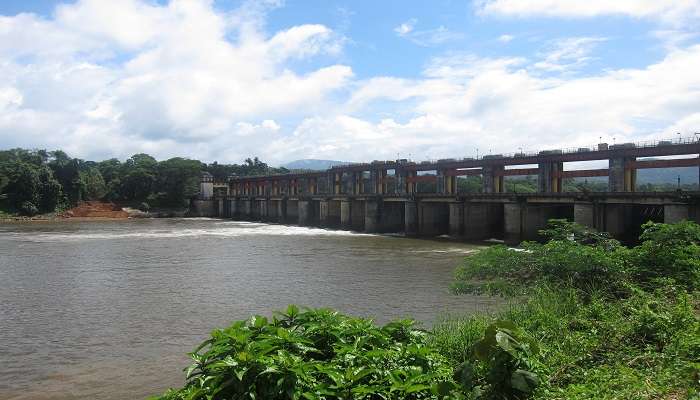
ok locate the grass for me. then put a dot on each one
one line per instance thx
(646, 346)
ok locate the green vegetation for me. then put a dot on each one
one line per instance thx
(612, 322)
(592, 319)
(37, 181)
(315, 354)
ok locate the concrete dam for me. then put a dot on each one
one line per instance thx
(390, 196)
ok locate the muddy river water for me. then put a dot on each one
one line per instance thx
(108, 309)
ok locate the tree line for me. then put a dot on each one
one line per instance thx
(39, 181)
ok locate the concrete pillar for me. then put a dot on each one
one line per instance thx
(433, 218)
(482, 220)
(392, 216)
(282, 210)
(304, 212)
(446, 184)
(373, 207)
(263, 210)
(676, 212)
(373, 182)
(271, 208)
(233, 208)
(549, 177)
(345, 216)
(323, 213)
(584, 214)
(400, 181)
(513, 223)
(411, 218)
(456, 219)
(247, 209)
(621, 178)
(493, 179)
(412, 186)
(220, 208)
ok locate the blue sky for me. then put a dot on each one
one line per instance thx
(350, 80)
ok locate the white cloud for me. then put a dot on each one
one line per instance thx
(505, 38)
(190, 80)
(466, 102)
(406, 27)
(110, 78)
(426, 37)
(568, 53)
(670, 12)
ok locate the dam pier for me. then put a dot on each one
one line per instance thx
(423, 198)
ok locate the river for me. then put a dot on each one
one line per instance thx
(108, 309)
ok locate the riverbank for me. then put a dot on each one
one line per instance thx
(98, 211)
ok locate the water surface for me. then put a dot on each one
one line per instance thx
(108, 309)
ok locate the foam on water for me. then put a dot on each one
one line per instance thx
(446, 251)
(217, 229)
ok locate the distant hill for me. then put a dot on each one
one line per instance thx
(688, 175)
(312, 164)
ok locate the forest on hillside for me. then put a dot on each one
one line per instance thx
(39, 181)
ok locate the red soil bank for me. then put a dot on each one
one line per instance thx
(95, 209)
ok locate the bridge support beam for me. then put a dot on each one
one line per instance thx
(446, 184)
(400, 181)
(457, 219)
(676, 212)
(549, 177)
(621, 178)
(493, 179)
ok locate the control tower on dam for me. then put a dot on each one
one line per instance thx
(423, 199)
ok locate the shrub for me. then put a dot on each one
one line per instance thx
(507, 354)
(669, 251)
(572, 257)
(317, 354)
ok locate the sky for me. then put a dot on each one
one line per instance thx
(344, 80)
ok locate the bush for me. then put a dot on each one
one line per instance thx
(644, 346)
(669, 251)
(572, 257)
(317, 354)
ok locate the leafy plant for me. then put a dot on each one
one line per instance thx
(317, 354)
(508, 355)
